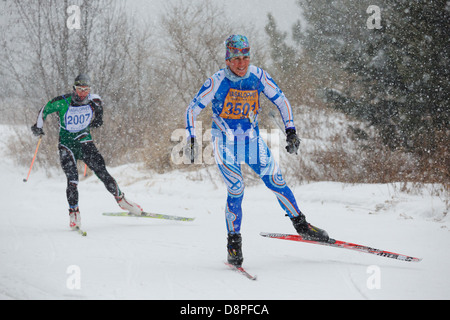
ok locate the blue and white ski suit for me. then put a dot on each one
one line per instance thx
(235, 133)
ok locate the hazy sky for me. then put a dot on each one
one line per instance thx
(286, 12)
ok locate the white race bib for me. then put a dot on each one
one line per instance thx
(78, 118)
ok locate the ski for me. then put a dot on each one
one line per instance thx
(343, 244)
(83, 233)
(148, 215)
(240, 270)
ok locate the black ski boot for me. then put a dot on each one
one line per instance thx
(308, 231)
(234, 248)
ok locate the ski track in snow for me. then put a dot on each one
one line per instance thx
(132, 258)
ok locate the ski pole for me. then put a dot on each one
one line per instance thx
(192, 150)
(85, 169)
(274, 119)
(34, 158)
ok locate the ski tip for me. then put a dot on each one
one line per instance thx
(83, 233)
(241, 271)
(413, 259)
(273, 235)
(264, 234)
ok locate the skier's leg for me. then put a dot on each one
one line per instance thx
(94, 160)
(69, 166)
(267, 168)
(232, 176)
(261, 160)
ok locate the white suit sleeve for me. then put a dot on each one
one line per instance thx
(200, 101)
(274, 94)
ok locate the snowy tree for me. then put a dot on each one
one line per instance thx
(47, 43)
(386, 62)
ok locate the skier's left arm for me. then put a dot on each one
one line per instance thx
(277, 97)
(274, 94)
(97, 106)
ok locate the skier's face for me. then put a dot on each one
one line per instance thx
(82, 92)
(239, 65)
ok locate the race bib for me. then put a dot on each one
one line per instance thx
(78, 118)
(239, 104)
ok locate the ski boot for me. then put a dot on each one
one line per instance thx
(75, 218)
(128, 205)
(234, 248)
(307, 230)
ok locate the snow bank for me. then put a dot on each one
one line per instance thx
(132, 258)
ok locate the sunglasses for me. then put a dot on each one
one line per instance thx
(82, 89)
(234, 50)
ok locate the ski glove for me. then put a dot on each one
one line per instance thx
(97, 122)
(293, 142)
(98, 114)
(191, 149)
(37, 131)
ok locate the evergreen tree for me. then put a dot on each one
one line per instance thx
(403, 66)
(386, 62)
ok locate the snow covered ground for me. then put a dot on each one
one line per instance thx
(132, 258)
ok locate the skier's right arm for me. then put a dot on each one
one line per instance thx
(50, 107)
(37, 128)
(200, 101)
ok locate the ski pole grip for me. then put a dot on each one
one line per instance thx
(192, 149)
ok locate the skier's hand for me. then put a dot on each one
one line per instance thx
(97, 122)
(37, 131)
(98, 113)
(191, 149)
(293, 142)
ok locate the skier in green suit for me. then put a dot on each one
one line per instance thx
(78, 112)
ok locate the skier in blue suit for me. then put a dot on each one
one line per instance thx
(234, 94)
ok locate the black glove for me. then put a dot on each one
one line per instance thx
(37, 131)
(97, 122)
(98, 113)
(293, 142)
(191, 149)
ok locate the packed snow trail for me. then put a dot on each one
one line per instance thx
(133, 258)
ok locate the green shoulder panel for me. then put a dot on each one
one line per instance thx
(59, 104)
